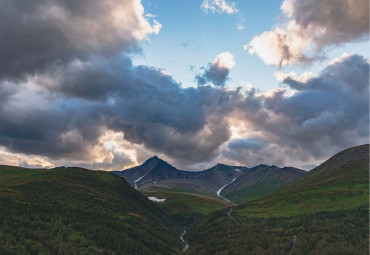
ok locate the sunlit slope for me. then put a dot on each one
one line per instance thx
(327, 212)
(342, 182)
(78, 211)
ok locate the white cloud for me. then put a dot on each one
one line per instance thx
(240, 26)
(220, 6)
(280, 76)
(224, 60)
(311, 26)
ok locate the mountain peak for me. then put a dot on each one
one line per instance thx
(220, 164)
(154, 158)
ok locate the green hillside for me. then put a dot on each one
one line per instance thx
(185, 207)
(77, 211)
(342, 182)
(259, 181)
(327, 211)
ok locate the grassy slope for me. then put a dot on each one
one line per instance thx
(185, 206)
(77, 211)
(259, 181)
(327, 210)
(193, 186)
(342, 182)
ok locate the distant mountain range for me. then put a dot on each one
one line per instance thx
(236, 183)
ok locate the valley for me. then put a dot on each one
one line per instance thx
(325, 212)
(238, 184)
(163, 210)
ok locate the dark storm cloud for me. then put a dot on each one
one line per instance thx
(36, 34)
(58, 129)
(251, 144)
(80, 100)
(77, 86)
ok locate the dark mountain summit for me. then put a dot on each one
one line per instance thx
(153, 170)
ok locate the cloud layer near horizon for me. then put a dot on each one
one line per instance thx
(84, 102)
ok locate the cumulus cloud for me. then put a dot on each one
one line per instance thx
(153, 114)
(67, 109)
(38, 34)
(217, 72)
(220, 6)
(327, 113)
(311, 26)
(67, 81)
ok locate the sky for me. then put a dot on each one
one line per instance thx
(108, 84)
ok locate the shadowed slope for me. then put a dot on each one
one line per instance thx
(77, 211)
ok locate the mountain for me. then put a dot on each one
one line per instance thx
(191, 195)
(236, 183)
(151, 171)
(259, 181)
(325, 212)
(78, 211)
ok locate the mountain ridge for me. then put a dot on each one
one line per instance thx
(155, 172)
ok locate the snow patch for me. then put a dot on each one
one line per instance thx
(135, 182)
(157, 200)
(182, 239)
(219, 191)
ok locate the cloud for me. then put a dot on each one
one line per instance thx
(220, 6)
(67, 109)
(249, 144)
(217, 72)
(38, 34)
(311, 26)
(327, 113)
(71, 95)
(68, 114)
(240, 26)
(59, 100)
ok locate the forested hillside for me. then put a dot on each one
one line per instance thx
(78, 211)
